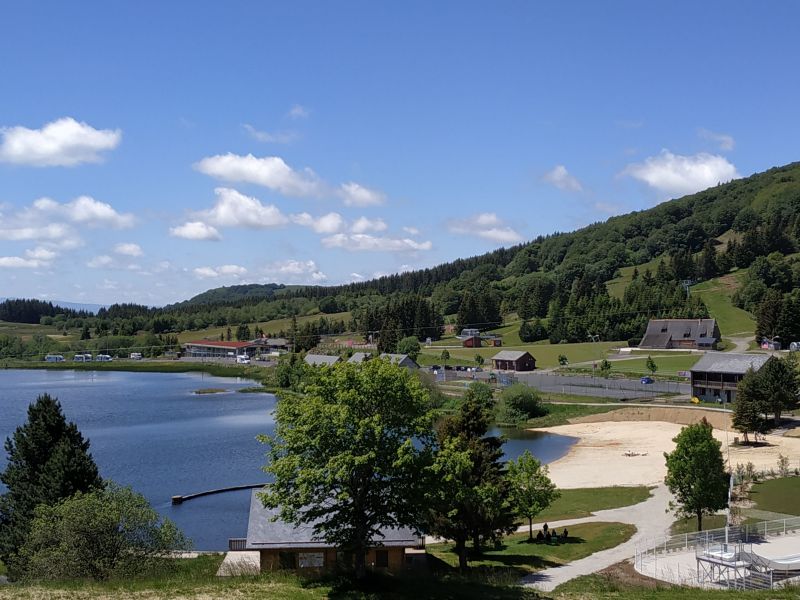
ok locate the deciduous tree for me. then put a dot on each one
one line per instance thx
(531, 488)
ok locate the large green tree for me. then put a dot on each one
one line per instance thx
(531, 488)
(409, 345)
(696, 473)
(48, 460)
(748, 410)
(111, 532)
(348, 457)
(780, 385)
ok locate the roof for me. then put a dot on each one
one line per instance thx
(276, 341)
(729, 362)
(399, 359)
(263, 532)
(213, 344)
(677, 329)
(359, 357)
(513, 355)
(318, 360)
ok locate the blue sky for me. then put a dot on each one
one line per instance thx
(152, 150)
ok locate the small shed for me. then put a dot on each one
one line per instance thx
(473, 341)
(514, 360)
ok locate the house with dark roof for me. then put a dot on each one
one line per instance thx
(321, 360)
(688, 334)
(715, 376)
(401, 360)
(359, 357)
(513, 360)
(217, 349)
(283, 546)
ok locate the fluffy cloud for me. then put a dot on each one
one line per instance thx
(362, 242)
(363, 224)
(234, 209)
(561, 178)
(330, 223)
(411, 230)
(128, 249)
(17, 262)
(678, 175)
(224, 271)
(195, 230)
(84, 210)
(52, 232)
(61, 143)
(355, 194)
(100, 262)
(299, 112)
(295, 271)
(487, 226)
(270, 171)
(280, 137)
(41, 254)
(725, 141)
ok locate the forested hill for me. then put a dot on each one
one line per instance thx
(768, 202)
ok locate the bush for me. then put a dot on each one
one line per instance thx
(99, 535)
(532, 332)
(518, 403)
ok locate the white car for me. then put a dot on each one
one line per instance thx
(242, 359)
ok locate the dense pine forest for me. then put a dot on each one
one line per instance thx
(555, 283)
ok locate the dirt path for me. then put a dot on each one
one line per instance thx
(651, 520)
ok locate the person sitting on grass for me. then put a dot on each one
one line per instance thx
(564, 534)
(548, 537)
(540, 537)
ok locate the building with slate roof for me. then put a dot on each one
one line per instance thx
(321, 360)
(359, 357)
(282, 545)
(687, 334)
(513, 360)
(715, 376)
(401, 360)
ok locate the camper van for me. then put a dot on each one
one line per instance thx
(103, 358)
(54, 358)
(87, 357)
(136, 356)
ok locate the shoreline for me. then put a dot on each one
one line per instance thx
(630, 453)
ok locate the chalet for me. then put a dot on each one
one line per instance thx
(321, 360)
(401, 360)
(283, 546)
(359, 357)
(513, 360)
(689, 334)
(715, 376)
(216, 349)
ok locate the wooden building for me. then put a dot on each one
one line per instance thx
(688, 334)
(715, 376)
(513, 360)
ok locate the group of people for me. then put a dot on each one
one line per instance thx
(551, 535)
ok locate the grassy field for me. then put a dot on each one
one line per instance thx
(777, 495)
(718, 294)
(583, 502)
(616, 287)
(546, 354)
(689, 524)
(667, 365)
(560, 414)
(518, 556)
(274, 326)
(26, 331)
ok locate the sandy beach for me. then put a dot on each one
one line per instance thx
(599, 457)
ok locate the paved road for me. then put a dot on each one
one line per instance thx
(650, 518)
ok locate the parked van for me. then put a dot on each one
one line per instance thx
(136, 356)
(82, 357)
(103, 358)
(54, 358)
(243, 359)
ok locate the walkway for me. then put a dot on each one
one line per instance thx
(650, 518)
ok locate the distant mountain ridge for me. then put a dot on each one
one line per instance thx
(88, 307)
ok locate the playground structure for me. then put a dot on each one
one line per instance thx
(755, 556)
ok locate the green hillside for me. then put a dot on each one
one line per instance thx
(718, 294)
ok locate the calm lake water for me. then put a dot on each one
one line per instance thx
(151, 432)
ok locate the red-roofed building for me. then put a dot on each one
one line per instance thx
(216, 349)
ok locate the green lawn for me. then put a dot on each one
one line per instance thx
(777, 495)
(26, 331)
(718, 294)
(546, 354)
(560, 414)
(667, 365)
(519, 556)
(583, 502)
(689, 524)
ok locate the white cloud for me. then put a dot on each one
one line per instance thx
(330, 223)
(223, 271)
(411, 230)
(128, 249)
(725, 141)
(362, 242)
(270, 171)
(606, 207)
(355, 194)
(561, 178)
(41, 254)
(356, 276)
(61, 143)
(234, 209)
(299, 112)
(100, 262)
(363, 225)
(487, 226)
(84, 210)
(53, 231)
(279, 137)
(17, 262)
(195, 230)
(678, 175)
(295, 271)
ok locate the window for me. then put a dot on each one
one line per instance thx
(287, 560)
(311, 560)
(382, 559)
(664, 329)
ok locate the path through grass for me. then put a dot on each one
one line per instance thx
(583, 502)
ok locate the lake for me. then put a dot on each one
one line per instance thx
(152, 432)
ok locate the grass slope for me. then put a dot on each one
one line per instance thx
(616, 287)
(546, 354)
(560, 414)
(718, 296)
(27, 330)
(667, 365)
(777, 495)
(274, 326)
(583, 502)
